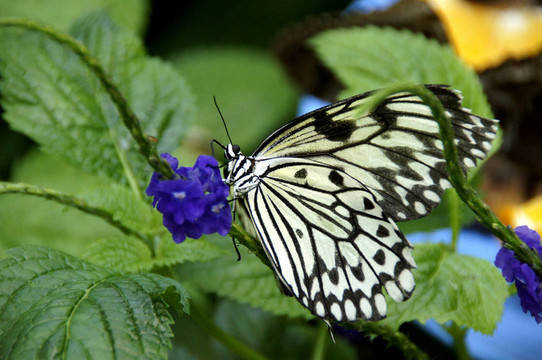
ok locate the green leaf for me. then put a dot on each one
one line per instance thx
(253, 94)
(30, 220)
(60, 13)
(126, 254)
(247, 281)
(54, 305)
(126, 208)
(370, 58)
(449, 286)
(63, 106)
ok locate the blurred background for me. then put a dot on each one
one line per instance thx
(253, 57)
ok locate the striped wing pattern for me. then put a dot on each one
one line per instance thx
(329, 241)
(331, 185)
(395, 151)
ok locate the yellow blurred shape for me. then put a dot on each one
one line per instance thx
(529, 213)
(486, 35)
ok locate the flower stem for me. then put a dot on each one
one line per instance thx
(252, 244)
(72, 201)
(226, 339)
(128, 117)
(319, 351)
(458, 333)
(393, 337)
(457, 178)
(455, 218)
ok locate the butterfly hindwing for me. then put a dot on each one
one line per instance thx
(329, 241)
(395, 151)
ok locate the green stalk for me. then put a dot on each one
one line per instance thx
(458, 333)
(395, 338)
(456, 176)
(455, 218)
(72, 201)
(252, 244)
(319, 350)
(128, 117)
(236, 346)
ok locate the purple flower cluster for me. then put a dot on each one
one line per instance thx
(195, 202)
(528, 284)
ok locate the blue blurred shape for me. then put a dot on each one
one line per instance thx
(367, 6)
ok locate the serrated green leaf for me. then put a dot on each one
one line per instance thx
(126, 254)
(55, 305)
(247, 281)
(125, 207)
(450, 286)
(371, 58)
(30, 220)
(60, 13)
(252, 92)
(63, 106)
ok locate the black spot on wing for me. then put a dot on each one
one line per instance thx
(339, 130)
(299, 233)
(334, 276)
(301, 173)
(382, 231)
(368, 204)
(336, 178)
(380, 257)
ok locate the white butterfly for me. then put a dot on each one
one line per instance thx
(323, 193)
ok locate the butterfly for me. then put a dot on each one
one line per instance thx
(323, 193)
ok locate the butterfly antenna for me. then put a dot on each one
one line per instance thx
(223, 121)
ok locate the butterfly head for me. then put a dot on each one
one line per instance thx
(232, 151)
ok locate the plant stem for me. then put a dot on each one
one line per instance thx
(455, 218)
(319, 351)
(223, 337)
(128, 117)
(393, 337)
(456, 176)
(252, 244)
(72, 201)
(458, 334)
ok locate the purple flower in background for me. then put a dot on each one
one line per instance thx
(528, 284)
(194, 203)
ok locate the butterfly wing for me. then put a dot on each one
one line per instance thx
(395, 151)
(329, 241)
(332, 183)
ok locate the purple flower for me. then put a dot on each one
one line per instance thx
(194, 203)
(528, 284)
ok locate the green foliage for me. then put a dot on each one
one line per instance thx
(370, 58)
(449, 286)
(55, 305)
(125, 207)
(30, 220)
(127, 254)
(246, 281)
(252, 92)
(60, 13)
(63, 106)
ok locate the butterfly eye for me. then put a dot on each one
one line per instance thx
(236, 148)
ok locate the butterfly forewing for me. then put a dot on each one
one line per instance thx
(395, 151)
(330, 184)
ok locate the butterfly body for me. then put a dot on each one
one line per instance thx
(323, 193)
